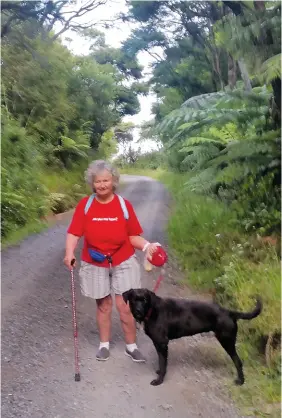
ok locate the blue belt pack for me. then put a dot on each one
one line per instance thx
(96, 256)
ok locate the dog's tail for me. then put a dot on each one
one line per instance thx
(248, 315)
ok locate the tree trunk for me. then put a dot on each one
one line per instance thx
(217, 68)
(276, 85)
(276, 109)
(245, 75)
(232, 77)
(259, 5)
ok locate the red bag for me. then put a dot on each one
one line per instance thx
(159, 258)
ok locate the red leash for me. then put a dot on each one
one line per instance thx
(158, 282)
(160, 278)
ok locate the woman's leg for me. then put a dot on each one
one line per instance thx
(95, 284)
(127, 276)
(103, 316)
(127, 320)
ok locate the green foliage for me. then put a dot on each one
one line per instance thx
(123, 133)
(58, 111)
(23, 197)
(217, 109)
(239, 280)
(69, 149)
(258, 204)
(256, 35)
(216, 257)
(225, 155)
(142, 39)
(217, 78)
(108, 145)
(121, 60)
(271, 69)
(171, 100)
(148, 161)
(197, 156)
(59, 202)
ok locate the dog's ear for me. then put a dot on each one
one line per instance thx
(127, 295)
(152, 298)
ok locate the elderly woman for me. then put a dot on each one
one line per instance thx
(111, 234)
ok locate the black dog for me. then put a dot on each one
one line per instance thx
(168, 319)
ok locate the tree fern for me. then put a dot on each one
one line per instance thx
(204, 101)
(203, 181)
(197, 156)
(237, 172)
(235, 163)
(216, 109)
(248, 150)
(70, 148)
(271, 69)
(195, 140)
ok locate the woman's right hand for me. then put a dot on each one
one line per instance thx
(68, 261)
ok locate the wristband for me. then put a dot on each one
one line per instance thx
(146, 246)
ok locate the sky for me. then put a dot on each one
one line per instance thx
(114, 38)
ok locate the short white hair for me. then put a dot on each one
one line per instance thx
(97, 167)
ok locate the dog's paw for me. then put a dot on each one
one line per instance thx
(156, 382)
(239, 382)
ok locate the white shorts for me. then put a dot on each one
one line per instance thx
(96, 283)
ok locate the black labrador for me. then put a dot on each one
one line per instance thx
(168, 319)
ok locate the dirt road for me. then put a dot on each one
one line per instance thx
(37, 344)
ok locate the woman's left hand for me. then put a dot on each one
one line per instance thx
(151, 249)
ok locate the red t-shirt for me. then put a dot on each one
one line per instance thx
(105, 229)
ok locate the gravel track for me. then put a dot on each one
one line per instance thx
(37, 343)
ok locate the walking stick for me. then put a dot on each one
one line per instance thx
(75, 334)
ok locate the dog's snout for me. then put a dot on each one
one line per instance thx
(139, 309)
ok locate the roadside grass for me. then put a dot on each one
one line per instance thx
(63, 181)
(259, 339)
(215, 256)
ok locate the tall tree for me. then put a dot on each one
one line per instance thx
(48, 13)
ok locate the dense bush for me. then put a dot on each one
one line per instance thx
(58, 111)
(218, 257)
(23, 197)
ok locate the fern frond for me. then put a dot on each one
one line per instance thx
(237, 172)
(233, 173)
(245, 150)
(216, 118)
(194, 140)
(199, 155)
(205, 101)
(215, 108)
(202, 182)
(271, 69)
(72, 147)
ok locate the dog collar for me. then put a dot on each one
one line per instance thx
(148, 314)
